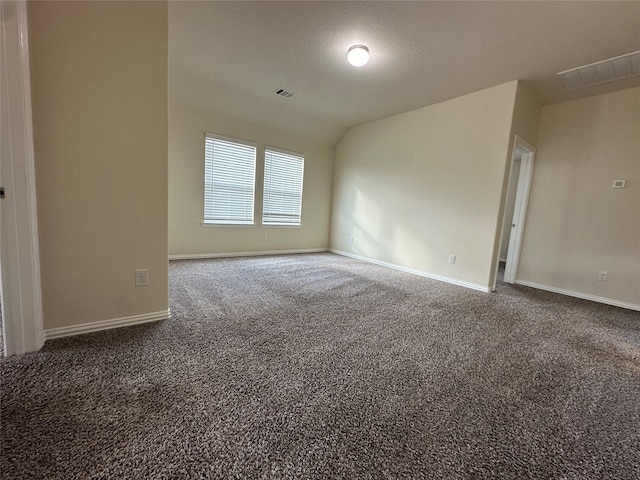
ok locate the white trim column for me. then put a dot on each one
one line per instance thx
(19, 248)
(520, 210)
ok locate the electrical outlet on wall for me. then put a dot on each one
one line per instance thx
(264, 237)
(142, 277)
(602, 276)
(350, 240)
(452, 259)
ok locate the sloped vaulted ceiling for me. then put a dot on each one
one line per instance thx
(230, 57)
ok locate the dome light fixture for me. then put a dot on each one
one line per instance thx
(358, 55)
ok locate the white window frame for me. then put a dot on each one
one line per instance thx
(211, 216)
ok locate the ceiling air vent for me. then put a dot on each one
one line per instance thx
(615, 68)
(284, 93)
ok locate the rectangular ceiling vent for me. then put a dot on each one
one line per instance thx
(615, 68)
(284, 93)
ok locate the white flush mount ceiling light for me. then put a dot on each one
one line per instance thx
(615, 68)
(358, 55)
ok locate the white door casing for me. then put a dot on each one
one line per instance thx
(520, 210)
(19, 248)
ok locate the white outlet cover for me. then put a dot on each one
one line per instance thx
(142, 277)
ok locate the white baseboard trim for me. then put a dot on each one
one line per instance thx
(196, 256)
(105, 324)
(584, 296)
(454, 281)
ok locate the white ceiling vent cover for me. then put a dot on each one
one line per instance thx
(615, 68)
(284, 93)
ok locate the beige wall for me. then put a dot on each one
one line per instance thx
(187, 236)
(414, 188)
(99, 89)
(576, 223)
(524, 124)
(526, 116)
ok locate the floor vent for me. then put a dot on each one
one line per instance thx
(615, 68)
(284, 93)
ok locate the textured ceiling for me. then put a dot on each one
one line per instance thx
(229, 57)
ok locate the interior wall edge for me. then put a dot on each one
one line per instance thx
(203, 256)
(80, 329)
(432, 276)
(524, 124)
(583, 296)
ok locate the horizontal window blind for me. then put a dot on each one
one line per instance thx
(283, 177)
(229, 181)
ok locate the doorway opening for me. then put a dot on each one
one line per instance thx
(518, 188)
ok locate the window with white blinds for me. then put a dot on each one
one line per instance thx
(283, 174)
(229, 181)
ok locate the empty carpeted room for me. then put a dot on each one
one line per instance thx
(320, 240)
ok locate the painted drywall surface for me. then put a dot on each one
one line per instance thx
(187, 235)
(524, 124)
(526, 115)
(99, 88)
(414, 188)
(190, 89)
(577, 225)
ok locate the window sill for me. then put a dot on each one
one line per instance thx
(269, 225)
(228, 225)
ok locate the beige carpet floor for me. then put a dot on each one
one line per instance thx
(322, 367)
